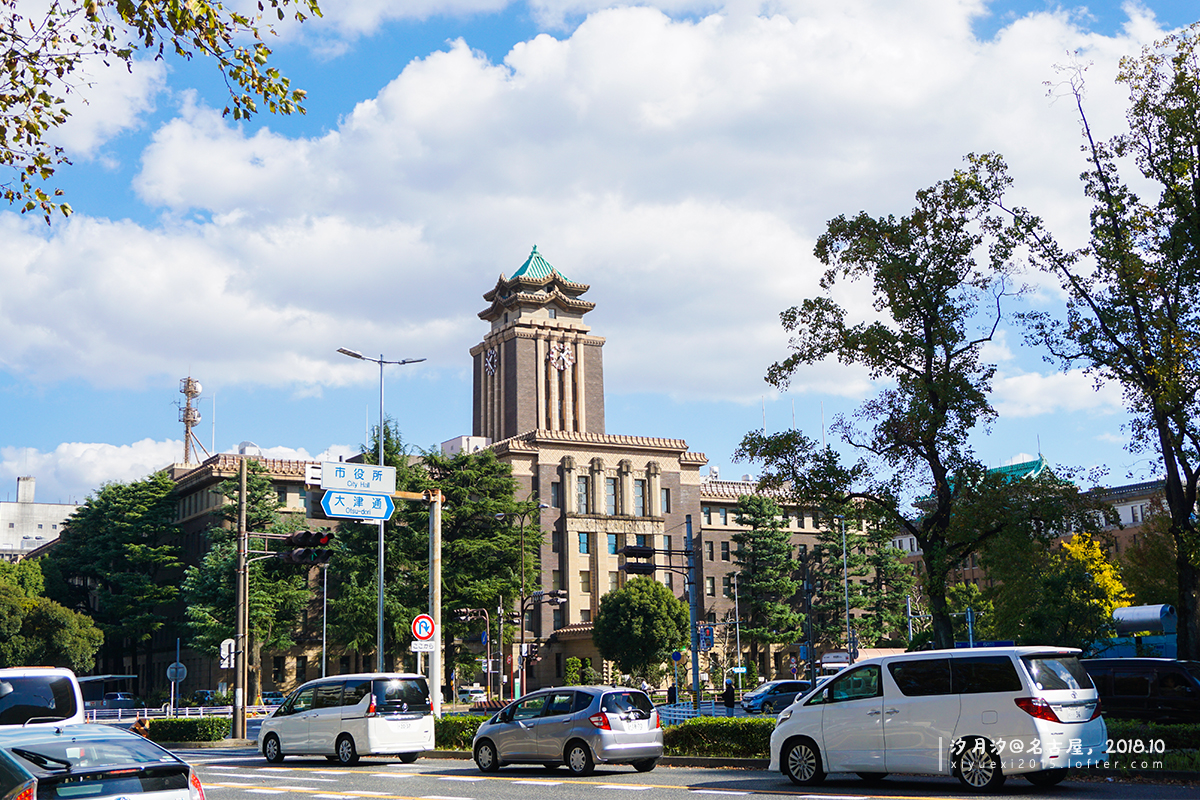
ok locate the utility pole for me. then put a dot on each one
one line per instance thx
(693, 612)
(435, 595)
(241, 601)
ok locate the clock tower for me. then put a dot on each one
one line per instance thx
(539, 367)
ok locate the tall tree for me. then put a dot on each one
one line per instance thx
(112, 564)
(934, 309)
(1148, 566)
(767, 578)
(639, 625)
(1133, 293)
(37, 630)
(47, 47)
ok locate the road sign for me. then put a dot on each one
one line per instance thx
(227, 654)
(357, 505)
(176, 672)
(422, 627)
(676, 656)
(422, 647)
(739, 670)
(366, 478)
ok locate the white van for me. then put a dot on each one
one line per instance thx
(346, 716)
(980, 714)
(39, 696)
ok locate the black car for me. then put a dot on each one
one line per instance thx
(1153, 689)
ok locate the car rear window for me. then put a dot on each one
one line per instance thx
(401, 694)
(1051, 672)
(620, 702)
(44, 697)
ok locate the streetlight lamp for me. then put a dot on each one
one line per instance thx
(522, 516)
(380, 361)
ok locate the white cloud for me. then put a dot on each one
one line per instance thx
(109, 100)
(1032, 394)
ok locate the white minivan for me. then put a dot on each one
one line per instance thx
(40, 696)
(346, 716)
(980, 714)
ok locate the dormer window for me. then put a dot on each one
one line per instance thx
(553, 312)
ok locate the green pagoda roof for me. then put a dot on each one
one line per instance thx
(538, 268)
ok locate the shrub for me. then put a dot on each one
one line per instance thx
(1175, 737)
(727, 737)
(189, 729)
(455, 733)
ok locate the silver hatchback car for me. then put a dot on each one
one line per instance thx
(579, 726)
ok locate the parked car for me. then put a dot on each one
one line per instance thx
(579, 726)
(273, 698)
(93, 762)
(471, 694)
(121, 700)
(39, 696)
(348, 716)
(1153, 689)
(773, 696)
(979, 714)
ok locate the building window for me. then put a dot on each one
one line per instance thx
(277, 670)
(585, 581)
(558, 657)
(585, 615)
(799, 518)
(666, 542)
(53, 527)
(585, 542)
(553, 312)
(641, 540)
(724, 516)
(555, 542)
(665, 495)
(301, 669)
(669, 580)
(39, 526)
(707, 513)
(727, 585)
(708, 551)
(344, 665)
(710, 586)
(802, 551)
(555, 580)
(612, 544)
(711, 617)
(724, 551)
(639, 497)
(555, 494)
(280, 493)
(610, 496)
(581, 493)
(12, 524)
(557, 618)
(612, 581)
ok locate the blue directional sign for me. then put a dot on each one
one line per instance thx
(357, 505)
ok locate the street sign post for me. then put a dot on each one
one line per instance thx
(357, 505)
(417, 646)
(423, 628)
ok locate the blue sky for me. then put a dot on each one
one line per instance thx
(681, 157)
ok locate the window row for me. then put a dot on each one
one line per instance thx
(639, 502)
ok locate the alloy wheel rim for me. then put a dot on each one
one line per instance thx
(802, 762)
(578, 760)
(977, 768)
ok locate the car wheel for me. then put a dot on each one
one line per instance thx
(409, 758)
(1047, 777)
(579, 759)
(271, 749)
(802, 763)
(872, 777)
(486, 758)
(347, 755)
(768, 708)
(977, 766)
(645, 765)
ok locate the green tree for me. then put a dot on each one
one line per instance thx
(1149, 565)
(46, 48)
(112, 563)
(767, 575)
(1133, 293)
(36, 630)
(639, 625)
(934, 309)
(278, 593)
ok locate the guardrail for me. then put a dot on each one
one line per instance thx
(675, 713)
(119, 715)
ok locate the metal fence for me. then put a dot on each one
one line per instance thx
(118, 715)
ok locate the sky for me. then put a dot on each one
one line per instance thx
(681, 157)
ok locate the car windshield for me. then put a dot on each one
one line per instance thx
(36, 697)
(76, 753)
(401, 694)
(1051, 672)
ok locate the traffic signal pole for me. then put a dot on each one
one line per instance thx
(693, 613)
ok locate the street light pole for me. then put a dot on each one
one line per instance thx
(846, 589)
(522, 516)
(737, 628)
(379, 611)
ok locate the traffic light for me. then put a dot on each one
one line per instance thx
(638, 567)
(636, 551)
(307, 547)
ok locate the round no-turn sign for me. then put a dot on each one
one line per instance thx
(422, 627)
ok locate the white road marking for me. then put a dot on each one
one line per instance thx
(624, 788)
(462, 778)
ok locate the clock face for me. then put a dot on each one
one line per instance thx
(490, 361)
(561, 356)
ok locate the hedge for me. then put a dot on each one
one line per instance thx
(1175, 737)
(456, 733)
(724, 737)
(189, 729)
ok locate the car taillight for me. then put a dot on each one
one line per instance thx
(26, 791)
(371, 707)
(1095, 713)
(195, 789)
(1037, 707)
(600, 720)
(657, 720)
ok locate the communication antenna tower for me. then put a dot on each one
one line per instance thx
(189, 415)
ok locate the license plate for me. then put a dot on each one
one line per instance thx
(636, 726)
(402, 725)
